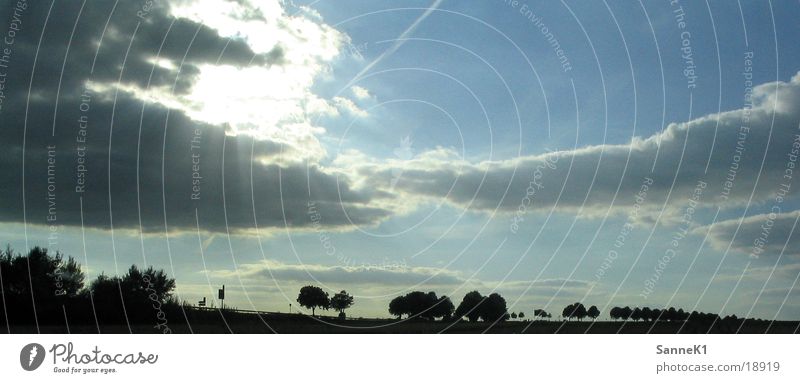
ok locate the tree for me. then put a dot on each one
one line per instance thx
(626, 313)
(341, 301)
(521, 315)
(541, 314)
(615, 313)
(398, 306)
(671, 315)
(38, 286)
(593, 312)
(150, 284)
(41, 275)
(418, 304)
(493, 308)
(513, 315)
(312, 297)
(444, 308)
(646, 314)
(655, 314)
(636, 314)
(469, 306)
(575, 310)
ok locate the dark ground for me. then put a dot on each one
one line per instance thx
(212, 321)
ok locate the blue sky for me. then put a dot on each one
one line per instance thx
(383, 147)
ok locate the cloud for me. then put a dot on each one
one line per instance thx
(269, 97)
(786, 272)
(360, 93)
(133, 142)
(758, 235)
(593, 175)
(394, 277)
(210, 109)
(339, 275)
(349, 106)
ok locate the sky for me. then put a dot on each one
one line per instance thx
(610, 152)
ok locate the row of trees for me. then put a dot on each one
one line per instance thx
(418, 304)
(45, 288)
(579, 311)
(648, 314)
(473, 306)
(671, 314)
(313, 297)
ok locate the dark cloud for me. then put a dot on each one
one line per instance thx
(139, 158)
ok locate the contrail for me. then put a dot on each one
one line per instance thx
(400, 40)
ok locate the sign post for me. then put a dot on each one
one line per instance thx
(222, 297)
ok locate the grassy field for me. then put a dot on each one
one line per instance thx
(214, 322)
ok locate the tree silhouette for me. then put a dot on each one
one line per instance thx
(150, 284)
(418, 304)
(541, 314)
(513, 315)
(474, 306)
(469, 306)
(493, 308)
(398, 306)
(646, 313)
(636, 314)
(37, 285)
(341, 301)
(39, 274)
(521, 315)
(615, 313)
(444, 308)
(312, 297)
(593, 312)
(670, 315)
(626, 313)
(575, 310)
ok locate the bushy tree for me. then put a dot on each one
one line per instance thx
(313, 297)
(626, 313)
(540, 313)
(636, 314)
(341, 301)
(45, 277)
(575, 310)
(474, 306)
(646, 313)
(493, 308)
(469, 306)
(444, 308)
(615, 313)
(398, 306)
(593, 312)
(418, 304)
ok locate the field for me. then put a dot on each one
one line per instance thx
(216, 322)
